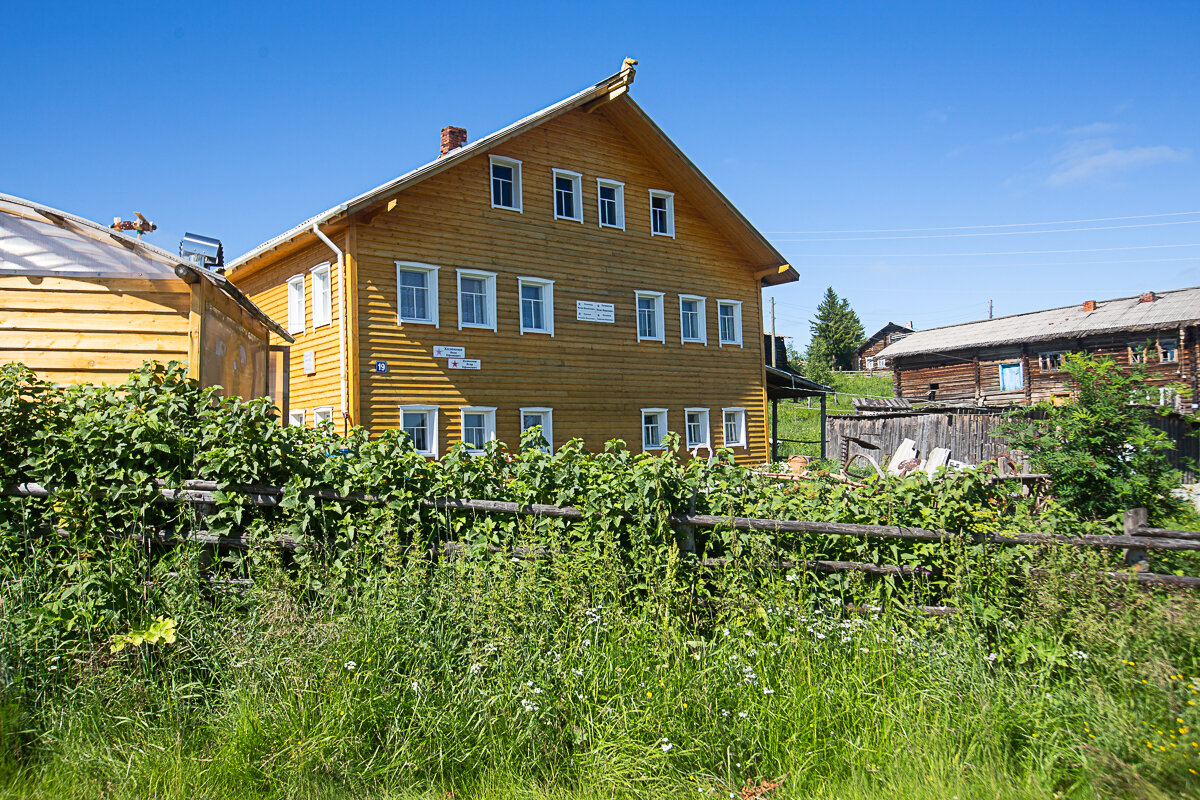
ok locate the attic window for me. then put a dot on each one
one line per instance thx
(662, 213)
(567, 195)
(506, 183)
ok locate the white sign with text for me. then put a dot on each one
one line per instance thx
(587, 311)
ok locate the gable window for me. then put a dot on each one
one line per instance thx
(662, 213)
(649, 316)
(537, 305)
(729, 320)
(323, 416)
(539, 417)
(322, 296)
(1168, 351)
(696, 427)
(691, 319)
(476, 299)
(296, 417)
(416, 292)
(611, 199)
(1137, 353)
(506, 183)
(1011, 378)
(654, 428)
(419, 423)
(478, 427)
(1051, 361)
(734, 426)
(568, 195)
(295, 294)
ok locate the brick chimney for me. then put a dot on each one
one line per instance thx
(1148, 297)
(453, 138)
(1089, 305)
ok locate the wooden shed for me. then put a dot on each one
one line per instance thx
(82, 303)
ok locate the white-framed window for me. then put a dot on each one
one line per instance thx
(568, 195)
(322, 416)
(476, 299)
(322, 296)
(416, 293)
(537, 305)
(610, 199)
(696, 428)
(544, 417)
(1051, 361)
(420, 424)
(733, 425)
(692, 327)
(295, 295)
(506, 183)
(1168, 351)
(662, 213)
(654, 428)
(478, 427)
(649, 316)
(729, 322)
(296, 417)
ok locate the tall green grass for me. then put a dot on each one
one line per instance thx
(801, 419)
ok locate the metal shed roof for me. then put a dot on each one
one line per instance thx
(1129, 314)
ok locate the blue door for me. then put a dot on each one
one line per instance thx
(1010, 377)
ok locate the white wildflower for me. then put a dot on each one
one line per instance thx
(743, 715)
(768, 691)
(350, 665)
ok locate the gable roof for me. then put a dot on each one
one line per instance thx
(877, 335)
(1128, 314)
(38, 240)
(613, 91)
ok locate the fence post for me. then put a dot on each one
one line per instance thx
(823, 423)
(1135, 520)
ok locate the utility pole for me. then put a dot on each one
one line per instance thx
(773, 364)
(989, 309)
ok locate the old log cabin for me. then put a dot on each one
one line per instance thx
(573, 271)
(868, 352)
(1017, 360)
(80, 303)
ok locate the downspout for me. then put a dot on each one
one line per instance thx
(341, 323)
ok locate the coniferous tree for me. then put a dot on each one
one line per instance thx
(838, 329)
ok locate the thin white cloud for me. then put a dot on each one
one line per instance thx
(1089, 159)
(1092, 129)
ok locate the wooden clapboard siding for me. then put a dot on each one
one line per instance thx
(266, 285)
(73, 330)
(595, 376)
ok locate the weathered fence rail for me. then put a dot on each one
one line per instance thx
(1137, 537)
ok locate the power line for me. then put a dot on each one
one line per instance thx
(994, 233)
(1082, 263)
(978, 227)
(1003, 253)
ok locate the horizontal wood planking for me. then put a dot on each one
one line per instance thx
(266, 285)
(73, 330)
(596, 376)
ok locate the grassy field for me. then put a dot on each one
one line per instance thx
(797, 420)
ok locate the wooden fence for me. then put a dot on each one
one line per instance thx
(1135, 541)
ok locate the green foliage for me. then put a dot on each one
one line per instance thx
(371, 661)
(838, 329)
(818, 362)
(1099, 449)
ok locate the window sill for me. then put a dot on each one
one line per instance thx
(507, 208)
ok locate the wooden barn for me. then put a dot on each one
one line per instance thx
(573, 271)
(80, 303)
(1017, 360)
(868, 354)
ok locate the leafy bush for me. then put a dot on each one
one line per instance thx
(1100, 451)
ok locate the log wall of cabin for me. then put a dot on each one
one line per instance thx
(75, 330)
(954, 373)
(595, 376)
(266, 285)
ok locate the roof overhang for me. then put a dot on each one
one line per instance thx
(785, 385)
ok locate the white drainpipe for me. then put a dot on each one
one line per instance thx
(341, 322)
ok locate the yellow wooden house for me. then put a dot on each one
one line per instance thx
(80, 303)
(573, 270)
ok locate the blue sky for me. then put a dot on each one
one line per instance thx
(239, 120)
